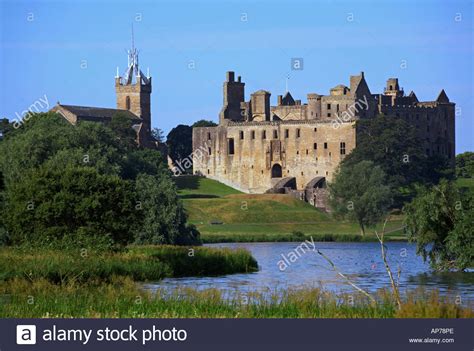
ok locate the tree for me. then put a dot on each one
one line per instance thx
(164, 216)
(180, 142)
(5, 127)
(440, 221)
(50, 204)
(204, 123)
(359, 192)
(158, 135)
(393, 144)
(121, 125)
(465, 165)
(62, 172)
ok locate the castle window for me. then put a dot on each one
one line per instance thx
(337, 107)
(329, 115)
(264, 134)
(312, 113)
(315, 146)
(302, 173)
(329, 106)
(325, 145)
(275, 134)
(230, 148)
(306, 151)
(343, 148)
(327, 173)
(298, 133)
(209, 151)
(252, 134)
(127, 103)
(208, 171)
(241, 133)
(287, 133)
(390, 87)
(208, 135)
(315, 129)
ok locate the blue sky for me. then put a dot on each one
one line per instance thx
(69, 51)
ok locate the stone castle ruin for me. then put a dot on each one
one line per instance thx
(295, 147)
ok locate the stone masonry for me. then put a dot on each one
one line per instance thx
(294, 147)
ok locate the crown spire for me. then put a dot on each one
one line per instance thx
(134, 74)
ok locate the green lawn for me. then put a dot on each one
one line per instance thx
(466, 183)
(192, 186)
(218, 210)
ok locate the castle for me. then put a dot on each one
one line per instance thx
(133, 92)
(294, 147)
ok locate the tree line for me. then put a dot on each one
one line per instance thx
(87, 185)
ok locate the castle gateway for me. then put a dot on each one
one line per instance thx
(295, 148)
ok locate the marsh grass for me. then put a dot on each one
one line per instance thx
(138, 263)
(121, 298)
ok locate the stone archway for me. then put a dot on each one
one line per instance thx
(277, 172)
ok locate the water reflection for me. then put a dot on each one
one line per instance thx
(361, 262)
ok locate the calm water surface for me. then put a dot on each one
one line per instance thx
(361, 262)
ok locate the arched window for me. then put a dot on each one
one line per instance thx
(127, 103)
(276, 171)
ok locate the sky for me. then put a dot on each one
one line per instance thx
(69, 51)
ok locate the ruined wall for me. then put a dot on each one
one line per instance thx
(434, 124)
(303, 149)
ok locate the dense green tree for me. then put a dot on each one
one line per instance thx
(360, 192)
(180, 142)
(80, 182)
(440, 221)
(393, 144)
(5, 127)
(163, 212)
(48, 204)
(204, 123)
(465, 165)
(121, 125)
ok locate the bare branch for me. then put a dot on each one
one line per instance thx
(387, 267)
(346, 278)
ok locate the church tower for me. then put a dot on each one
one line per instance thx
(133, 90)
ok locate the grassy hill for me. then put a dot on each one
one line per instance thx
(222, 213)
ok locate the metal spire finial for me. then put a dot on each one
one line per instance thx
(133, 39)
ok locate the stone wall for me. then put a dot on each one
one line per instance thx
(302, 150)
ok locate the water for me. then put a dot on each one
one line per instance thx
(360, 262)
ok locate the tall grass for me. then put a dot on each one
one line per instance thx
(138, 263)
(121, 297)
